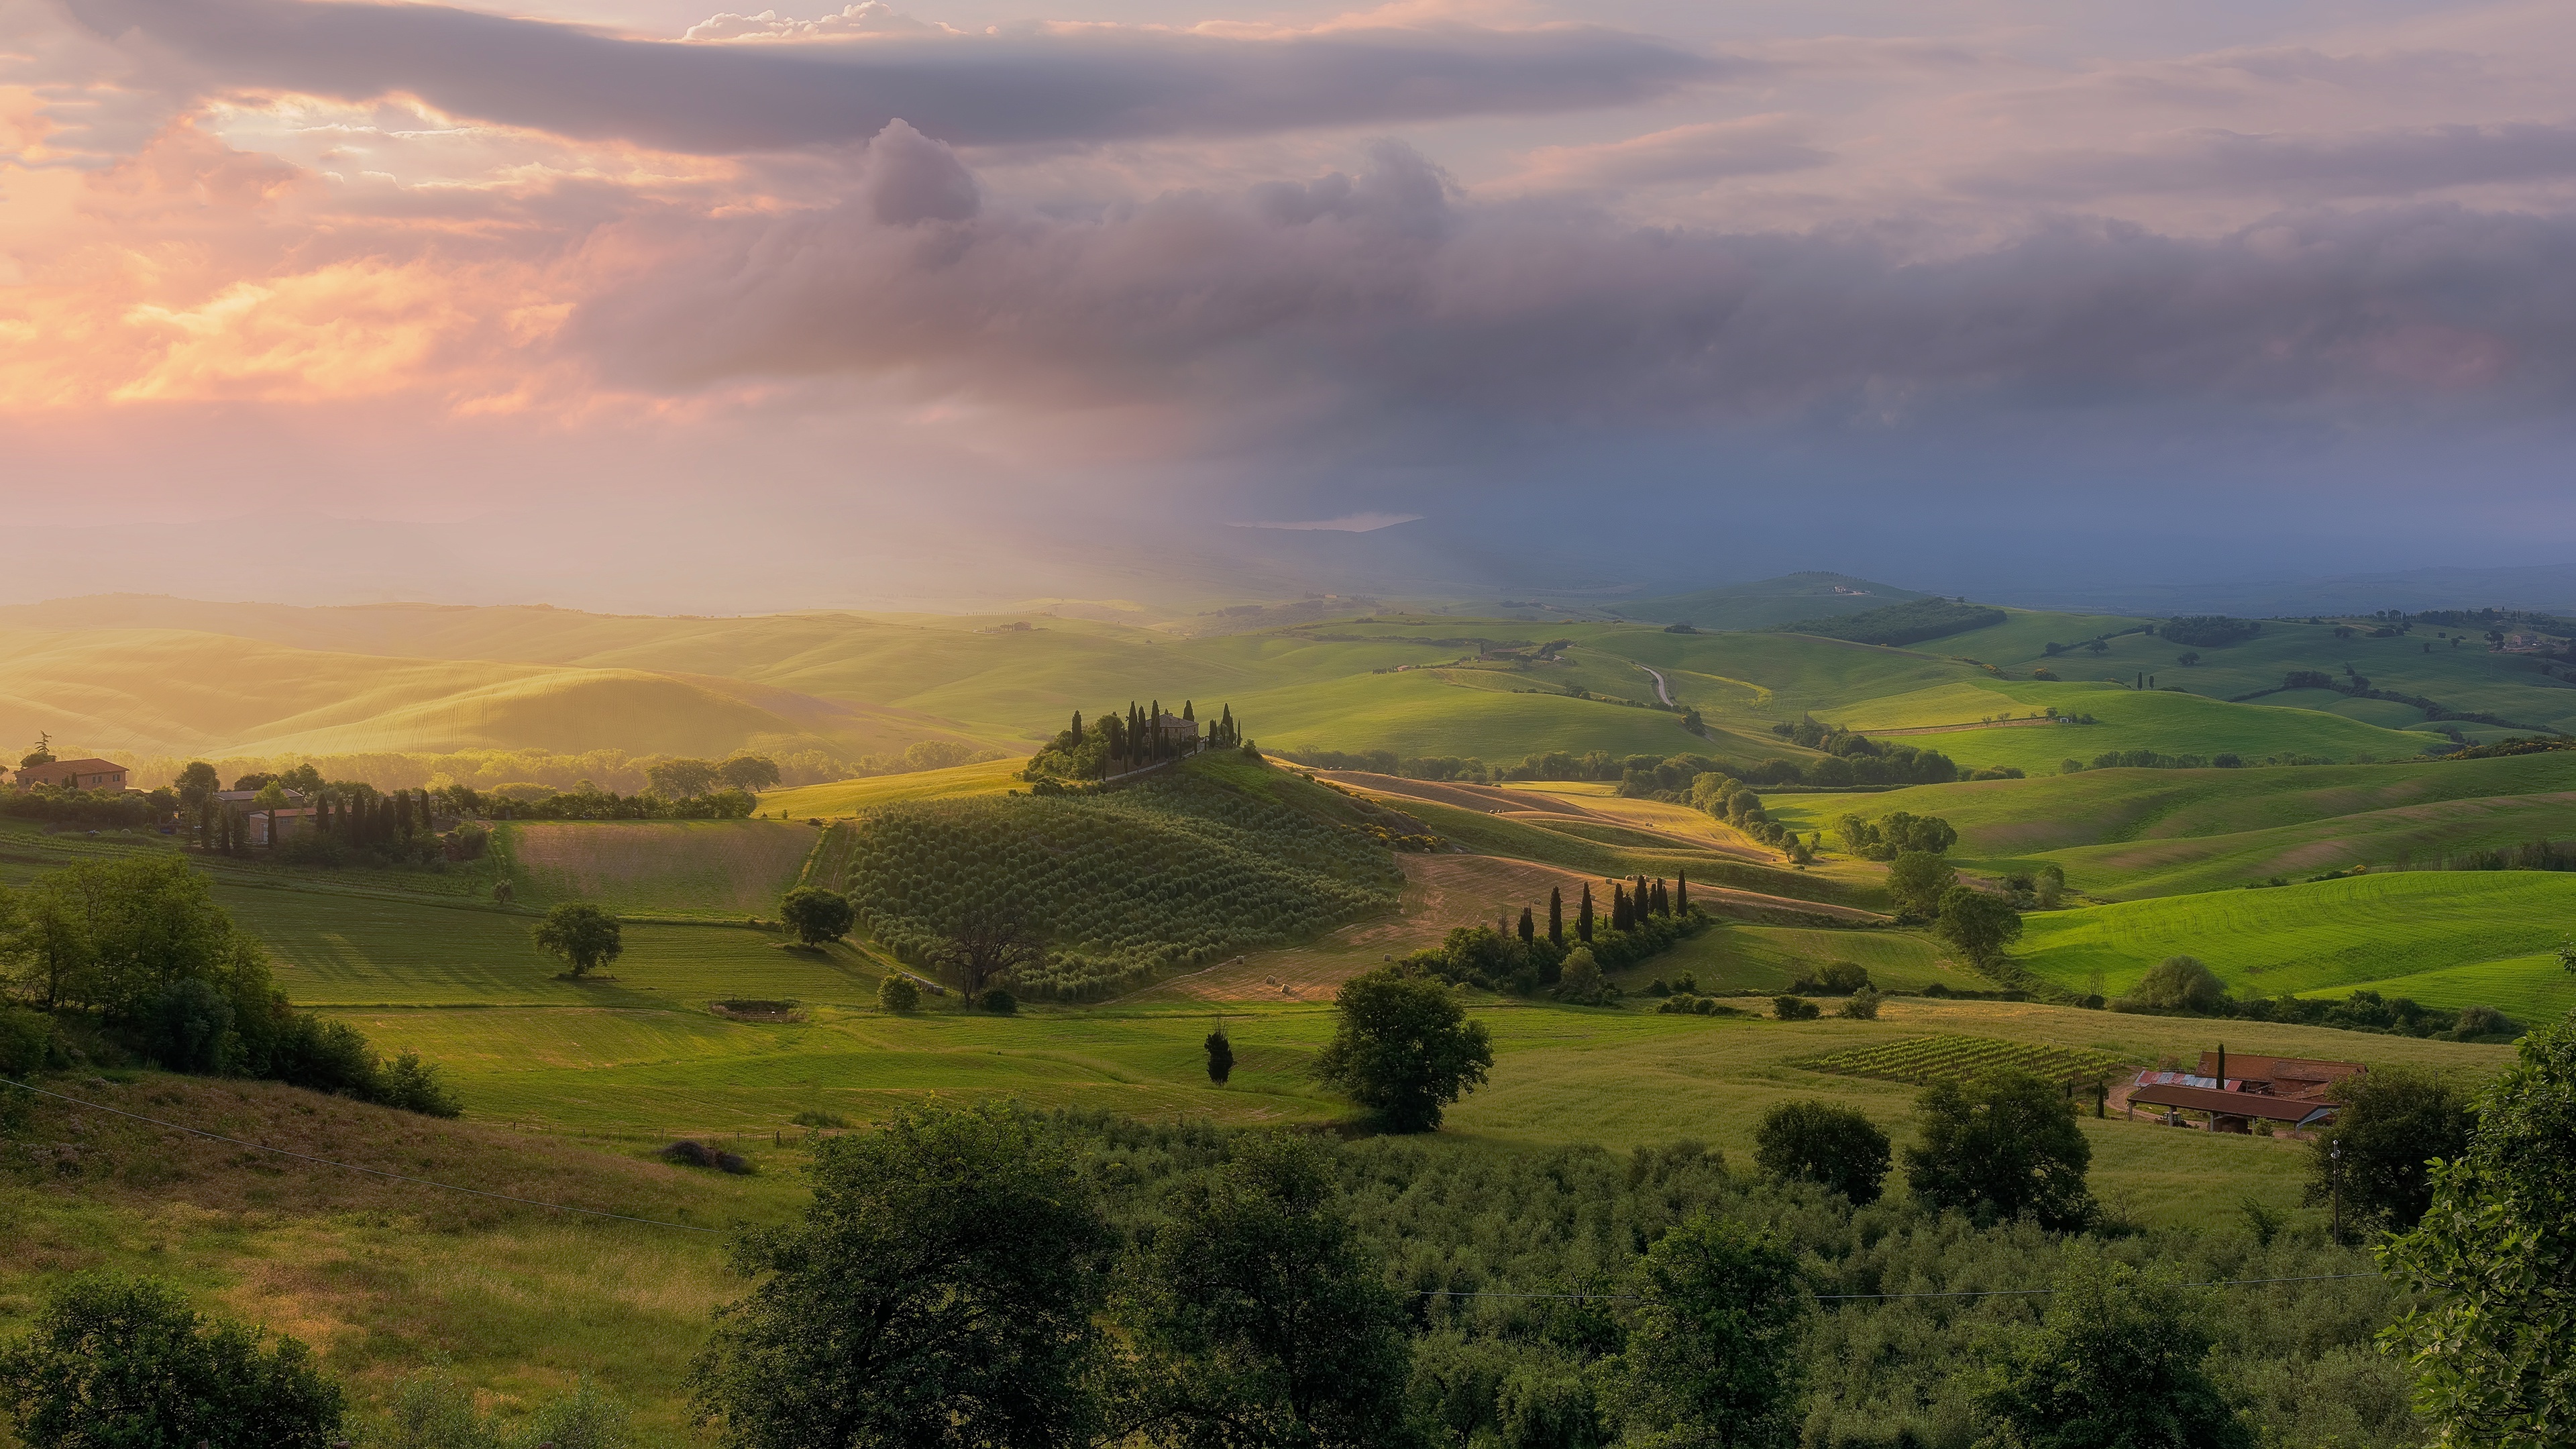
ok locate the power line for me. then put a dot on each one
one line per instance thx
(353, 1167)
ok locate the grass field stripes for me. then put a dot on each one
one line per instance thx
(1924, 1060)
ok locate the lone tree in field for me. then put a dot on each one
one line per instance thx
(2122, 1357)
(749, 773)
(2494, 1348)
(580, 935)
(122, 1361)
(1403, 1048)
(1713, 1356)
(1999, 1146)
(817, 915)
(941, 1289)
(1220, 1055)
(989, 944)
(1832, 1146)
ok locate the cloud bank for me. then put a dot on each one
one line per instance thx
(1050, 84)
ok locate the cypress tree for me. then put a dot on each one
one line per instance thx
(1077, 729)
(1189, 710)
(1639, 896)
(1583, 918)
(428, 815)
(1681, 893)
(1529, 928)
(1555, 917)
(1225, 725)
(1663, 902)
(1621, 916)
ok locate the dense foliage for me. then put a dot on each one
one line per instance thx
(2121, 1360)
(1176, 870)
(113, 1362)
(2394, 1120)
(580, 935)
(2208, 631)
(1833, 1147)
(1999, 1145)
(140, 945)
(2496, 1346)
(1532, 1317)
(2185, 985)
(89, 809)
(1911, 622)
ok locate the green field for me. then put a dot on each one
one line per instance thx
(720, 868)
(849, 797)
(2329, 937)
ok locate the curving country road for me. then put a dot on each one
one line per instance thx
(1661, 692)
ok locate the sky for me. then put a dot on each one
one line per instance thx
(641, 304)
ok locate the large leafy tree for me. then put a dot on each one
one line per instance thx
(1712, 1356)
(2000, 1145)
(1822, 1143)
(1260, 1319)
(114, 935)
(751, 773)
(2395, 1120)
(2120, 1361)
(2494, 1350)
(1403, 1048)
(1980, 925)
(580, 935)
(817, 915)
(939, 1291)
(118, 1361)
(1918, 879)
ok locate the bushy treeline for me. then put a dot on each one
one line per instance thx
(2207, 631)
(2185, 986)
(90, 809)
(2151, 760)
(138, 950)
(533, 771)
(2355, 685)
(596, 804)
(1911, 622)
(1565, 955)
(1171, 871)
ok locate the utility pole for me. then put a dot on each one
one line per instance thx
(2334, 1188)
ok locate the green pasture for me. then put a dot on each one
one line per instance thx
(717, 868)
(2310, 938)
(1527, 839)
(1420, 713)
(1767, 958)
(2122, 834)
(2126, 719)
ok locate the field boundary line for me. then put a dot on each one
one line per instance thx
(353, 1167)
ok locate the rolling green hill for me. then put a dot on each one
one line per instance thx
(2445, 931)
(2122, 834)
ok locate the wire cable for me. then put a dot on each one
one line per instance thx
(353, 1167)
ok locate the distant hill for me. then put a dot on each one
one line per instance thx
(1911, 622)
(1768, 603)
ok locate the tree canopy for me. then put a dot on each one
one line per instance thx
(1713, 1352)
(1821, 1143)
(817, 915)
(939, 1291)
(115, 1361)
(580, 935)
(2119, 1361)
(2494, 1351)
(2394, 1120)
(2001, 1145)
(1403, 1048)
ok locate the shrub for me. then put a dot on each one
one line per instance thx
(812, 1118)
(117, 1361)
(1838, 978)
(26, 1042)
(1794, 1008)
(1863, 1006)
(2177, 983)
(190, 1029)
(699, 1154)
(998, 1001)
(2482, 1021)
(898, 995)
(415, 1086)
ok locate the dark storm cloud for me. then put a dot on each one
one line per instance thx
(1055, 84)
(1386, 294)
(2390, 162)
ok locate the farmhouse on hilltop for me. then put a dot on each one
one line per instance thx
(2235, 1092)
(74, 774)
